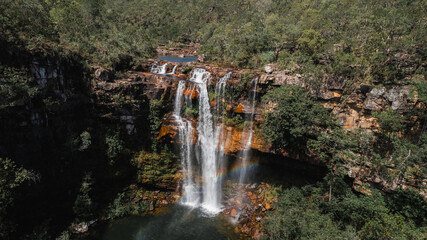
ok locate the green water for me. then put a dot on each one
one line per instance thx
(174, 223)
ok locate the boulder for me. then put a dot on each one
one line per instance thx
(374, 99)
(398, 97)
(103, 74)
(201, 58)
(269, 68)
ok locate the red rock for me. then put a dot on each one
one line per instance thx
(239, 109)
(267, 205)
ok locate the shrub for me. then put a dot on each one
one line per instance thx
(114, 146)
(390, 121)
(292, 117)
(122, 206)
(156, 169)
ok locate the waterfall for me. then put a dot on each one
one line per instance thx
(220, 93)
(206, 191)
(190, 191)
(245, 154)
(158, 69)
(173, 70)
(219, 109)
(208, 142)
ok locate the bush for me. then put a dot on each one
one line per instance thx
(11, 177)
(82, 207)
(114, 146)
(303, 214)
(156, 169)
(16, 87)
(122, 206)
(292, 117)
(390, 121)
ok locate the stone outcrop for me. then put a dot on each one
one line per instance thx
(352, 105)
(247, 206)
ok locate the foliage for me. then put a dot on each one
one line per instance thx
(114, 145)
(156, 169)
(85, 140)
(11, 177)
(375, 44)
(191, 111)
(82, 207)
(303, 214)
(65, 235)
(240, 88)
(410, 204)
(421, 88)
(157, 110)
(15, 87)
(292, 117)
(296, 217)
(390, 121)
(121, 206)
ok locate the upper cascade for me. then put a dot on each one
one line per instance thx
(159, 69)
(200, 75)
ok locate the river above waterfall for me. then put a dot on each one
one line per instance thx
(173, 58)
(176, 222)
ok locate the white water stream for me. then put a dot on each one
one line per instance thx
(202, 162)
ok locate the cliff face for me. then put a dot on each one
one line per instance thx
(352, 105)
(353, 109)
(120, 102)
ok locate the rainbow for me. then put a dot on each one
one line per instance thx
(236, 169)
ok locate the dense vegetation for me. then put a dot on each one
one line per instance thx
(394, 152)
(59, 171)
(381, 41)
(306, 213)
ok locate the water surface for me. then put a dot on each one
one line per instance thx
(175, 223)
(174, 58)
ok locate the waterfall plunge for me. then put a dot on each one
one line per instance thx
(245, 155)
(206, 192)
(205, 152)
(190, 194)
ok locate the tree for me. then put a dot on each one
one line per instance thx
(390, 121)
(83, 204)
(292, 117)
(11, 177)
(15, 87)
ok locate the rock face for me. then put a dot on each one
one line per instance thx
(103, 74)
(269, 68)
(353, 106)
(247, 205)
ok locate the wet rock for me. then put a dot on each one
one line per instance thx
(82, 227)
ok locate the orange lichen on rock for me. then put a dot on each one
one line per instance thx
(167, 130)
(239, 109)
(191, 93)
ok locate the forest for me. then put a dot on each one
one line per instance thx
(81, 164)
